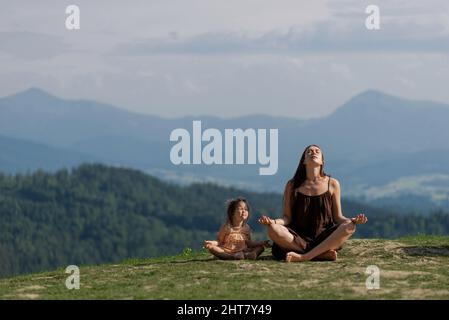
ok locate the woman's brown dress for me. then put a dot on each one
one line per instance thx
(311, 221)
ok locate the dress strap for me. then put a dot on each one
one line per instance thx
(329, 183)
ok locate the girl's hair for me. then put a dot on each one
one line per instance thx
(231, 206)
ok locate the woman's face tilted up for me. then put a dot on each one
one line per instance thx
(313, 157)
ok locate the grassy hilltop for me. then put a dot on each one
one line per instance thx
(410, 268)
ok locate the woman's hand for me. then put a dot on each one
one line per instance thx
(265, 220)
(360, 219)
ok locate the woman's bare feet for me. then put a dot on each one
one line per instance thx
(330, 255)
(294, 257)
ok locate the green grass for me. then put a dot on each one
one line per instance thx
(410, 268)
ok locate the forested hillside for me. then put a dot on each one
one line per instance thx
(97, 214)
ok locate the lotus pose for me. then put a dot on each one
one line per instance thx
(313, 225)
(234, 238)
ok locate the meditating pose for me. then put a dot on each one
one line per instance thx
(313, 225)
(234, 238)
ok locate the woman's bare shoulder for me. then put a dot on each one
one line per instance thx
(334, 185)
(334, 182)
(289, 185)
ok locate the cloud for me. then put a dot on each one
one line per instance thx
(397, 34)
(31, 46)
(172, 58)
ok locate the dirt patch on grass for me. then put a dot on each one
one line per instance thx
(379, 249)
(44, 278)
(399, 274)
(35, 287)
(31, 296)
(442, 251)
(420, 293)
(203, 272)
(24, 293)
(150, 287)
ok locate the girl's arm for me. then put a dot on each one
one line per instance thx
(222, 234)
(220, 238)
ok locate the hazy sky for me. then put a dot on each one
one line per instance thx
(226, 57)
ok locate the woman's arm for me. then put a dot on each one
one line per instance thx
(336, 206)
(336, 203)
(287, 210)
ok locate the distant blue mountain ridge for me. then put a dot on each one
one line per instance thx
(377, 145)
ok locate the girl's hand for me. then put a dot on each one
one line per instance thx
(360, 219)
(210, 243)
(265, 220)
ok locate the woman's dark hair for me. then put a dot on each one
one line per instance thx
(231, 206)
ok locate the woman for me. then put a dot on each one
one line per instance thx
(313, 225)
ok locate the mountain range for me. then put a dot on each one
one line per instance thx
(378, 145)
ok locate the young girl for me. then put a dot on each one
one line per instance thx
(234, 238)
